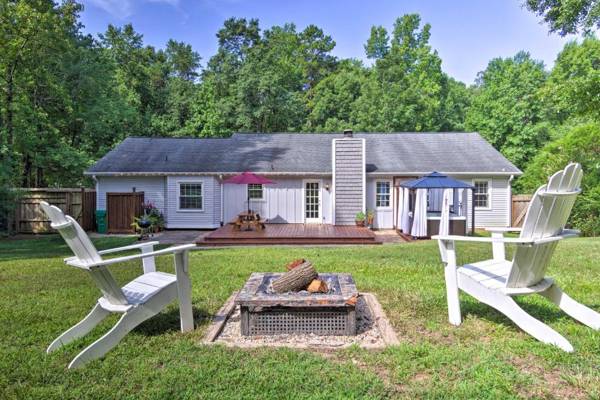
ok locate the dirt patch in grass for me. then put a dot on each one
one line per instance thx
(383, 373)
(549, 380)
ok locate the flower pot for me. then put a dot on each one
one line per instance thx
(360, 222)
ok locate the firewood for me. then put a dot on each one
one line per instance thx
(352, 301)
(295, 279)
(294, 264)
(317, 286)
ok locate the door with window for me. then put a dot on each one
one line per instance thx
(312, 202)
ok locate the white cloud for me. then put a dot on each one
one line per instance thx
(124, 8)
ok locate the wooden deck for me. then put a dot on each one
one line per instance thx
(289, 234)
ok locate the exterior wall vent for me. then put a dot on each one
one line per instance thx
(348, 133)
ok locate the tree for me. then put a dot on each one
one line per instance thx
(263, 83)
(235, 40)
(404, 90)
(269, 88)
(183, 61)
(36, 38)
(378, 44)
(573, 87)
(567, 17)
(507, 109)
(456, 100)
(331, 106)
(317, 61)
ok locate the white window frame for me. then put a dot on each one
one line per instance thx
(179, 183)
(389, 182)
(489, 194)
(262, 192)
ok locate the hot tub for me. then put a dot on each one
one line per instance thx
(458, 224)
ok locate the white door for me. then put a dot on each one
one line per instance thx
(312, 202)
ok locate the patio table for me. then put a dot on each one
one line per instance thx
(250, 220)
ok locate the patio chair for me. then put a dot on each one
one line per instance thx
(137, 301)
(494, 282)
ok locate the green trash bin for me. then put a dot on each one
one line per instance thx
(101, 221)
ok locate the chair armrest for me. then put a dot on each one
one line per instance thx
(119, 249)
(457, 238)
(130, 247)
(517, 241)
(169, 250)
(503, 230)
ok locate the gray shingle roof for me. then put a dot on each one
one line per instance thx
(399, 153)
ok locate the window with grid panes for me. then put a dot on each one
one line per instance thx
(382, 194)
(481, 194)
(255, 191)
(190, 196)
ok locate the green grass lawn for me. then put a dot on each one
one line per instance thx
(486, 357)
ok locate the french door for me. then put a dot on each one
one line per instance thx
(312, 202)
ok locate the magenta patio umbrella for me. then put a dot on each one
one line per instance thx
(248, 178)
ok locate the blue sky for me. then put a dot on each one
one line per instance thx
(466, 33)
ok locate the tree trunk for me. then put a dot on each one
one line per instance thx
(26, 172)
(39, 177)
(296, 279)
(9, 110)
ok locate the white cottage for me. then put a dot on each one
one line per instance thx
(321, 178)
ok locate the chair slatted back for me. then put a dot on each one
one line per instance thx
(546, 216)
(85, 252)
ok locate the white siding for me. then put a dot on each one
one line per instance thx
(498, 215)
(152, 186)
(384, 217)
(282, 202)
(208, 218)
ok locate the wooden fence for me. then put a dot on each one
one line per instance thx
(520, 202)
(78, 203)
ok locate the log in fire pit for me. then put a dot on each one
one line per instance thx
(267, 311)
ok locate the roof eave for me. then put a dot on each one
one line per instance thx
(388, 173)
(466, 173)
(142, 173)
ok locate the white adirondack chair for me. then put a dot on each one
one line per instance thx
(138, 300)
(496, 281)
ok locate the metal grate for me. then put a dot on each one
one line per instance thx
(319, 322)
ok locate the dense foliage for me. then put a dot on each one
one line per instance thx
(567, 16)
(66, 98)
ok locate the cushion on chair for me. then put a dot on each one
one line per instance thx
(145, 286)
(489, 273)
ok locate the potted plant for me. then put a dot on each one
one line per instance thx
(370, 218)
(360, 218)
(152, 221)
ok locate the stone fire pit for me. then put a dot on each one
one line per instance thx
(264, 312)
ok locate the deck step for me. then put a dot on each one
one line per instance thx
(247, 242)
(290, 234)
